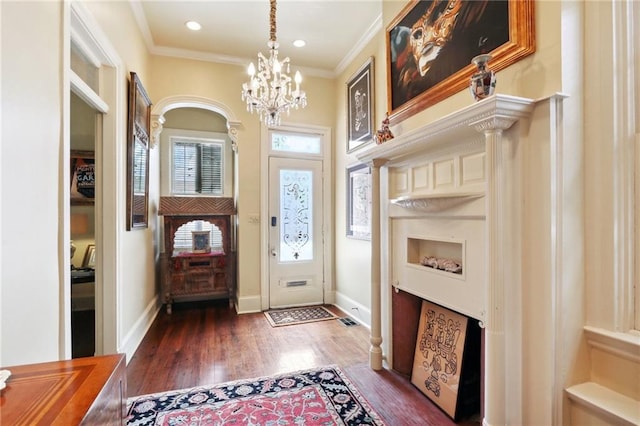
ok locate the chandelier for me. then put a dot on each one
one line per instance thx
(268, 90)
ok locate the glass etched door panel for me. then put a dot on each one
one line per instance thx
(296, 268)
(301, 143)
(296, 213)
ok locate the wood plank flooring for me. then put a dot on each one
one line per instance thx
(208, 343)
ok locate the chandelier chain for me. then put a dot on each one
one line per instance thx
(272, 21)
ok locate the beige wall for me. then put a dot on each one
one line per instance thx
(34, 298)
(533, 77)
(222, 83)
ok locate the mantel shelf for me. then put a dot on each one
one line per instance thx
(435, 202)
(495, 112)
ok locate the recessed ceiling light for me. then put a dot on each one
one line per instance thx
(193, 25)
(299, 43)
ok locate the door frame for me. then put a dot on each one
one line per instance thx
(327, 208)
(81, 25)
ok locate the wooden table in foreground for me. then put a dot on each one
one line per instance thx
(87, 391)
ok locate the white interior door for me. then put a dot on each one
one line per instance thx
(295, 232)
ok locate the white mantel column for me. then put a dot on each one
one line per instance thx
(375, 352)
(501, 224)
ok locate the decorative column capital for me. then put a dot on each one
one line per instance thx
(157, 121)
(232, 131)
(494, 123)
(377, 162)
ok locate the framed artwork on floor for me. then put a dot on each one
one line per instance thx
(446, 363)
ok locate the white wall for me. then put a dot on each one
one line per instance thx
(35, 114)
(32, 149)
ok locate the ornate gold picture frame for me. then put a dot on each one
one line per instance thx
(430, 46)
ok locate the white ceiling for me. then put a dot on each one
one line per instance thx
(234, 31)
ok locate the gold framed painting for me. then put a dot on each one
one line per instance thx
(430, 45)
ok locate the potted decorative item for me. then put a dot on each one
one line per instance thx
(483, 81)
(384, 134)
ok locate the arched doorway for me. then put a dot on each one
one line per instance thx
(181, 121)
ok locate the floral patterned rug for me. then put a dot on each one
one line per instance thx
(322, 396)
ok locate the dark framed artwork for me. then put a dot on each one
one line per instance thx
(430, 45)
(138, 138)
(83, 177)
(89, 260)
(200, 242)
(360, 101)
(359, 202)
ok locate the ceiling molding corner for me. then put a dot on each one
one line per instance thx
(368, 35)
(143, 25)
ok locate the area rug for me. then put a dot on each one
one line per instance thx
(280, 317)
(320, 396)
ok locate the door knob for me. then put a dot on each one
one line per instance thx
(274, 253)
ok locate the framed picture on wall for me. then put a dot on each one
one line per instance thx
(200, 242)
(360, 104)
(83, 177)
(359, 202)
(138, 140)
(418, 77)
(89, 260)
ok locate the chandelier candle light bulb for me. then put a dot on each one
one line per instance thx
(269, 88)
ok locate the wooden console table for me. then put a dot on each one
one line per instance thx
(197, 275)
(82, 391)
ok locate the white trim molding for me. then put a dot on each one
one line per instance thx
(185, 101)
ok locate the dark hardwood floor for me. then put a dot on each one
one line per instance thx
(208, 343)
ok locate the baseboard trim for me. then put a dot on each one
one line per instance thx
(134, 337)
(355, 310)
(248, 305)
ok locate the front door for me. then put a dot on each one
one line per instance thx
(295, 232)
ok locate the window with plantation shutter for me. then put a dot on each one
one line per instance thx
(198, 167)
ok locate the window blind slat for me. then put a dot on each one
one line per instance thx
(198, 168)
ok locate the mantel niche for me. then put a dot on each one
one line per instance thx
(472, 156)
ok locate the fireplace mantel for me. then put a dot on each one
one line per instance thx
(451, 131)
(474, 155)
